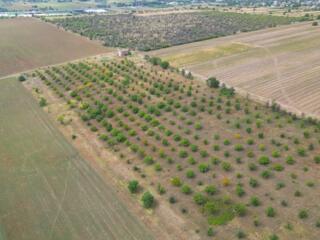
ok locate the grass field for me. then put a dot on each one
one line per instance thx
(47, 190)
(27, 43)
(229, 166)
(279, 64)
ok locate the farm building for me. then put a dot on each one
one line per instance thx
(123, 52)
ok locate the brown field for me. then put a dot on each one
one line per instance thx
(48, 191)
(27, 43)
(280, 64)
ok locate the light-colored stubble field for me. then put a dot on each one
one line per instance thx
(279, 64)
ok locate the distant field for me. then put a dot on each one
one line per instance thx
(300, 12)
(279, 64)
(51, 4)
(47, 190)
(29, 43)
(152, 31)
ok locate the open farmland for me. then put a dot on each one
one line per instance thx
(280, 64)
(47, 190)
(234, 167)
(27, 43)
(152, 31)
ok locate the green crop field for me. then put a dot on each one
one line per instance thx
(231, 167)
(47, 190)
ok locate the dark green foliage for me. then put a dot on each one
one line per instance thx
(133, 186)
(270, 212)
(147, 200)
(240, 210)
(264, 160)
(303, 214)
(138, 32)
(199, 199)
(43, 102)
(22, 78)
(213, 82)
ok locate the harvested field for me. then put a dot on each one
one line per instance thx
(27, 43)
(152, 31)
(279, 64)
(47, 190)
(228, 165)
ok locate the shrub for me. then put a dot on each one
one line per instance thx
(133, 186)
(252, 166)
(226, 181)
(297, 194)
(199, 199)
(273, 237)
(190, 174)
(226, 166)
(210, 232)
(22, 78)
(43, 102)
(210, 207)
(238, 147)
(301, 152)
(250, 141)
(172, 200)
(317, 159)
(275, 154)
(240, 191)
(148, 160)
(255, 201)
(253, 183)
(210, 189)
(240, 209)
(270, 212)
(240, 234)
(157, 167)
(183, 154)
(278, 167)
(161, 190)
(204, 167)
(290, 160)
(186, 189)
(164, 64)
(264, 160)
(303, 214)
(147, 200)
(212, 82)
(175, 181)
(266, 174)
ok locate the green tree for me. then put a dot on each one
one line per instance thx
(147, 200)
(212, 82)
(22, 78)
(164, 64)
(133, 186)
